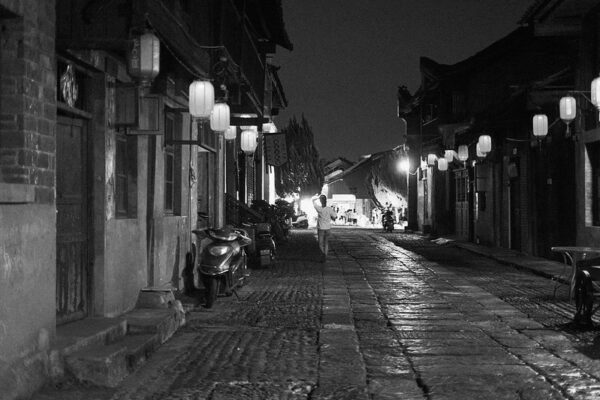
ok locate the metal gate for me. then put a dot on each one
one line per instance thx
(72, 262)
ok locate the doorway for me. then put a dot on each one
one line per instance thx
(73, 266)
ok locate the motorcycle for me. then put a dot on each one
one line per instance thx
(222, 265)
(388, 221)
(262, 249)
(300, 221)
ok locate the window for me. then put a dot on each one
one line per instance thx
(173, 127)
(126, 176)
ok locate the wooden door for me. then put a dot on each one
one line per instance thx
(462, 204)
(72, 262)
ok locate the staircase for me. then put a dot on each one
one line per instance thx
(103, 351)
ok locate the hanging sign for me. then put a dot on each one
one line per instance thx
(275, 149)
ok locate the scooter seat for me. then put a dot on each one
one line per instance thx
(226, 234)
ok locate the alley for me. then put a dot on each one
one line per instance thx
(388, 316)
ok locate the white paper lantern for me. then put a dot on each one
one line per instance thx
(269, 127)
(230, 133)
(202, 99)
(449, 155)
(540, 125)
(463, 152)
(248, 141)
(568, 109)
(595, 92)
(144, 58)
(431, 159)
(480, 153)
(219, 117)
(442, 164)
(485, 143)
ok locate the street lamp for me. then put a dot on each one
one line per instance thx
(404, 165)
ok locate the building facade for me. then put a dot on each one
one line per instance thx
(103, 171)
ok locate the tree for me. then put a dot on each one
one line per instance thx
(303, 171)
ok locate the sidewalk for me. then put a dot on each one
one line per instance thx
(553, 270)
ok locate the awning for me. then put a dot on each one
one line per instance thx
(171, 32)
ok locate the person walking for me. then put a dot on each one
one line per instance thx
(325, 216)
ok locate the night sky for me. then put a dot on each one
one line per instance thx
(350, 56)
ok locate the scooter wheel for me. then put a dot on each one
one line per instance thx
(212, 289)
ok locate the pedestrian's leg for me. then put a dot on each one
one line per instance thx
(321, 237)
(325, 242)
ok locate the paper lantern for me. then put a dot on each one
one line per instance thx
(463, 152)
(449, 155)
(230, 133)
(269, 127)
(540, 125)
(219, 117)
(202, 99)
(431, 159)
(442, 164)
(479, 152)
(568, 109)
(485, 143)
(248, 141)
(144, 58)
(595, 92)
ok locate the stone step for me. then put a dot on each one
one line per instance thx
(163, 322)
(100, 364)
(75, 336)
(139, 349)
(107, 365)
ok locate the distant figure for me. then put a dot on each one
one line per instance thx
(326, 215)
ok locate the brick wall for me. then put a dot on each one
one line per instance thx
(28, 97)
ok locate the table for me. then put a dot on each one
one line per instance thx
(571, 256)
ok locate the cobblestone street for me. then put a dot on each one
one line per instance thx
(388, 316)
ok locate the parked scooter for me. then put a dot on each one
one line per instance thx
(222, 265)
(387, 221)
(300, 221)
(262, 250)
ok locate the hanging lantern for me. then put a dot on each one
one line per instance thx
(219, 117)
(540, 125)
(463, 152)
(431, 159)
(442, 164)
(568, 109)
(485, 143)
(269, 127)
(230, 133)
(480, 153)
(144, 58)
(595, 92)
(202, 99)
(449, 155)
(248, 141)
